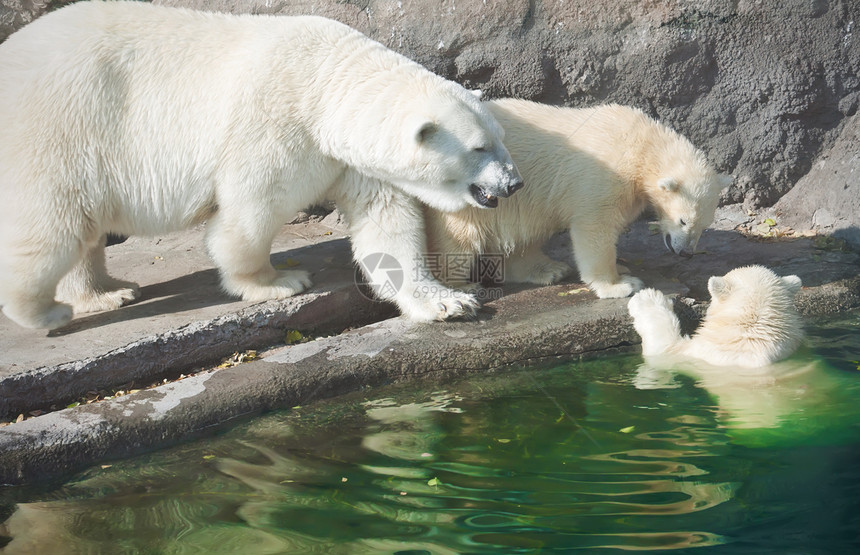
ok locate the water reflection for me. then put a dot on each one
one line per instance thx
(787, 401)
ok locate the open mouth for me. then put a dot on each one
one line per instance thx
(482, 197)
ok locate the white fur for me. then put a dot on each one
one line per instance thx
(591, 171)
(381, 219)
(137, 119)
(750, 323)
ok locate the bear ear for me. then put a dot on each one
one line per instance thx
(422, 129)
(667, 184)
(793, 284)
(426, 130)
(725, 180)
(718, 288)
(478, 93)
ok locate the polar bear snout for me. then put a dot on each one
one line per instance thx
(489, 198)
(496, 180)
(680, 243)
(673, 247)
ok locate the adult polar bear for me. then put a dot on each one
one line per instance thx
(591, 171)
(136, 119)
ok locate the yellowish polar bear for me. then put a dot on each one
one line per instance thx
(131, 118)
(751, 321)
(591, 171)
(738, 352)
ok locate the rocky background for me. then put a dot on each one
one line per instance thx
(769, 89)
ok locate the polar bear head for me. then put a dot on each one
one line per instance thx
(753, 288)
(456, 156)
(436, 142)
(752, 309)
(685, 196)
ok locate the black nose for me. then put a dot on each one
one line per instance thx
(515, 186)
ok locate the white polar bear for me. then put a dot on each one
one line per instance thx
(738, 353)
(750, 323)
(131, 118)
(591, 171)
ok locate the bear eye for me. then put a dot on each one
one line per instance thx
(683, 223)
(481, 149)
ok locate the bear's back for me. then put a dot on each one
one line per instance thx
(91, 33)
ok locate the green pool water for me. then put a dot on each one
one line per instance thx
(577, 456)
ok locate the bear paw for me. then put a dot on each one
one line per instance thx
(445, 306)
(654, 321)
(547, 273)
(286, 284)
(626, 286)
(55, 315)
(648, 301)
(105, 300)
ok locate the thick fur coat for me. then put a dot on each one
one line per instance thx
(591, 171)
(131, 118)
(750, 323)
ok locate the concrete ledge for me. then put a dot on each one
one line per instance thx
(183, 320)
(188, 347)
(523, 326)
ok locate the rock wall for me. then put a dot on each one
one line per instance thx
(828, 197)
(764, 87)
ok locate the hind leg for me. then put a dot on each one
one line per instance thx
(38, 313)
(533, 266)
(28, 284)
(89, 288)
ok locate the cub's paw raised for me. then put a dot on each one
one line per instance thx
(626, 286)
(648, 301)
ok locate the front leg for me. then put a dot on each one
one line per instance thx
(240, 245)
(595, 253)
(388, 243)
(655, 321)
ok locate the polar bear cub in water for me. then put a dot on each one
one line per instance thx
(751, 321)
(131, 118)
(591, 171)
